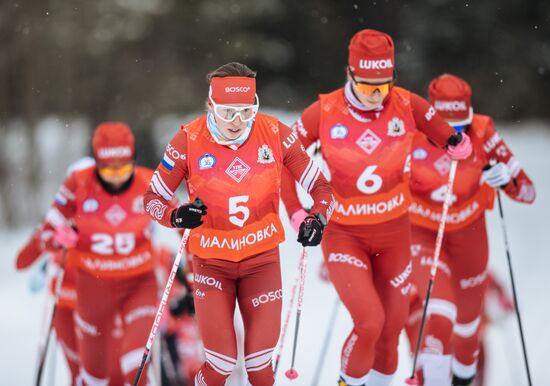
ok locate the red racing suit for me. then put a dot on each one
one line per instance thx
(456, 304)
(236, 255)
(367, 243)
(114, 272)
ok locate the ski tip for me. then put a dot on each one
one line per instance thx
(412, 381)
(291, 374)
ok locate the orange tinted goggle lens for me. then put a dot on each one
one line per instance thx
(369, 89)
(110, 171)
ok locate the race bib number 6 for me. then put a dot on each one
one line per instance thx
(369, 182)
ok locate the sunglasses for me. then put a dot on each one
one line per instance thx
(228, 113)
(368, 88)
(115, 171)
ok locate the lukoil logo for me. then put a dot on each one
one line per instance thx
(450, 105)
(375, 64)
(267, 297)
(237, 89)
(114, 152)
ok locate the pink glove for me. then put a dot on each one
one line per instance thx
(462, 150)
(65, 236)
(297, 218)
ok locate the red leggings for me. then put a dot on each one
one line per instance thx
(64, 330)
(99, 300)
(370, 268)
(454, 311)
(256, 284)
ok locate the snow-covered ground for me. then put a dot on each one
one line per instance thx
(529, 233)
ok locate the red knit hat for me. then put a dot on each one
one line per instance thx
(451, 97)
(371, 54)
(113, 142)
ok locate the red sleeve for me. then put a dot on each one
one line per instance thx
(307, 126)
(307, 130)
(289, 194)
(34, 248)
(303, 169)
(521, 187)
(63, 208)
(429, 121)
(168, 175)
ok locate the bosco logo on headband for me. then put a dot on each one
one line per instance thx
(233, 90)
(237, 89)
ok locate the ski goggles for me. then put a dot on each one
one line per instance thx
(115, 170)
(368, 88)
(229, 113)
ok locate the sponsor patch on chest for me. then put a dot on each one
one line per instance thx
(265, 155)
(207, 161)
(90, 205)
(368, 141)
(338, 131)
(420, 153)
(115, 215)
(237, 169)
(396, 127)
(137, 205)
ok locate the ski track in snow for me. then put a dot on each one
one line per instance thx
(528, 230)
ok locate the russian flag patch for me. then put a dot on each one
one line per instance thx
(167, 164)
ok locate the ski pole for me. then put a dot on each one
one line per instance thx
(514, 292)
(43, 351)
(433, 270)
(292, 373)
(160, 311)
(287, 318)
(326, 342)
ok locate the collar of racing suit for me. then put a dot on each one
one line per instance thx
(221, 139)
(110, 188)
(359, 108)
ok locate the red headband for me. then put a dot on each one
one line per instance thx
(233, 90)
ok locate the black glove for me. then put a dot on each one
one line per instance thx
(311, 230)
(189, 215)
(183, 305)
(454, 139)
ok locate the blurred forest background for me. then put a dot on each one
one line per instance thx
(67, 65)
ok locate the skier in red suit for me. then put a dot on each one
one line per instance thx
(102, 208)
(232, 159)
(451, 339)
(365, 130)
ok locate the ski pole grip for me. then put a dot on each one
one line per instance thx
(454, 139)
(197, 203)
